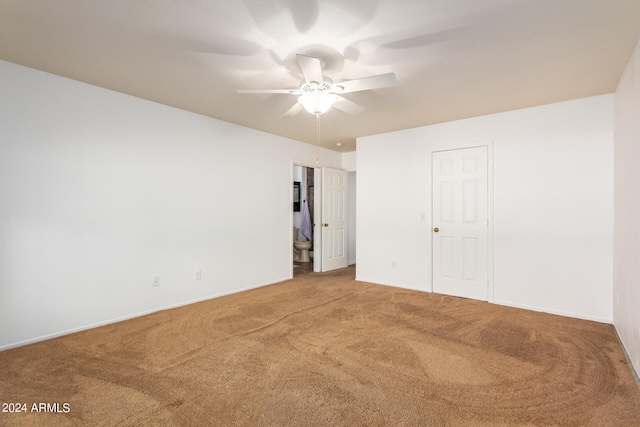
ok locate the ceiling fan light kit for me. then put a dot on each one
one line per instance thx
(317, 102)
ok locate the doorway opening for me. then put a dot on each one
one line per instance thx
(329, 228)
(305, 214)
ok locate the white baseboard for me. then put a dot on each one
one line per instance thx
(556, 312)
(393, 285)
(504, 303)
(131, 316)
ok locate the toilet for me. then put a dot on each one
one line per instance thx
(300, 248)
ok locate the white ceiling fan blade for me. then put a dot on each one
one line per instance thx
(289, 91)
(348, 106)
(311, 68)
(292, 111)
(366, 83)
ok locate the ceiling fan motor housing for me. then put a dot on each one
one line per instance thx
(315, 87)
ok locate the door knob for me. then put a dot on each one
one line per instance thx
(325, 225)
(436, 229)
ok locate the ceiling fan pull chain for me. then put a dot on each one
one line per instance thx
(318, 139)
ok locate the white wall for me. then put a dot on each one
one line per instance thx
(100, 191)
(351, 218)
(349, 161)
(553, 205)
(349, 165)
(626, 253)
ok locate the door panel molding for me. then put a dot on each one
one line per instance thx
(334, 219)
(467, 248)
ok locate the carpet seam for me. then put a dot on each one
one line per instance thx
(260, 328)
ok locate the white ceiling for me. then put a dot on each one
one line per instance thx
(453, 58)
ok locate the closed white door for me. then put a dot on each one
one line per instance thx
(334, 219)
(460, 223)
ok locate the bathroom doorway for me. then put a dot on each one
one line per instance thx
(305, 179)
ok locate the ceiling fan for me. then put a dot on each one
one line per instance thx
(317, 93)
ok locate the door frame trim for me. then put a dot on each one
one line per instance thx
(436, 147)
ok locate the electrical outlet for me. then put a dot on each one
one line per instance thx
(156, 281)
(393, 264)
(198, 275)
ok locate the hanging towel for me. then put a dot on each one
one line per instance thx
(305, 226)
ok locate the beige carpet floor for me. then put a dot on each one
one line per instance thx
(325, 350)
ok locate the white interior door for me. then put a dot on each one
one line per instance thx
(460, 222)
(334, 219)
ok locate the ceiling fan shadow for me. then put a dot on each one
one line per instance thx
(423, 40)
(333, 61)
(222, 45)
(307, 14)
(398, 41)
(277, 78)
(363, 11)
(304, 14)
(351, 53)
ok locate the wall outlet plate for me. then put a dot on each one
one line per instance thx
(156, 281)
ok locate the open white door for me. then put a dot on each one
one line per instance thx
(460, 225)
(334, 219)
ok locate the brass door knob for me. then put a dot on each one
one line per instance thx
(436, 229)
(325, 225)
